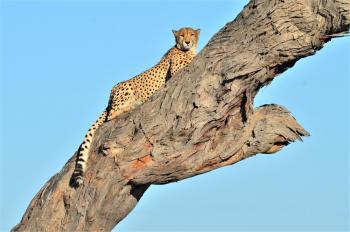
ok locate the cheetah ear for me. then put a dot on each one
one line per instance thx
(175, 32)
(198, 31)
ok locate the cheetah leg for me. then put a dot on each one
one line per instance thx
(127, 104)
(83, 153)
(115, 113)
(176, 66)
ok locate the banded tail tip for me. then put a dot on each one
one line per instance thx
(79, 181)
(76, 181)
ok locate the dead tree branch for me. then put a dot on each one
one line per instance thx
(202, 120)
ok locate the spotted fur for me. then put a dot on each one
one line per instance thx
(131, 93)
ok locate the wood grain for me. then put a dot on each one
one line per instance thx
(201, 120)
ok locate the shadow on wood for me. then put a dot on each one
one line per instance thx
(201, 120)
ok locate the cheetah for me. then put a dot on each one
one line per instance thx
(128, 94)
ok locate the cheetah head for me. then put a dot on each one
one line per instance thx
(186, 38)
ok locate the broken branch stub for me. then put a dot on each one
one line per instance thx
(201, 120)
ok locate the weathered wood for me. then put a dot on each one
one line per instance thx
(202, 120)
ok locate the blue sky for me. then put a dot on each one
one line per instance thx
(59, 60)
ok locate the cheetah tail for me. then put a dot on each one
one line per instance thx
(83, 152)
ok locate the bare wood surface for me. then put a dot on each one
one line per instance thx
(202, 120)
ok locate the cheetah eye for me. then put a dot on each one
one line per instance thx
(192, 34)
(181, 35)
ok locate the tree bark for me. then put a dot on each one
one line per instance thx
(201, 120)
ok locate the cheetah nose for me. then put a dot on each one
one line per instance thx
(187, 42)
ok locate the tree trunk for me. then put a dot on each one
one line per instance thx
(201, 120)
